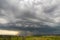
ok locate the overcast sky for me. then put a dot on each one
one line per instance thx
(45, 12)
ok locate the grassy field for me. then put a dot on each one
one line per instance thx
(30, 38)
(43, 38)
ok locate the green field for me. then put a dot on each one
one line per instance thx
(30, 38)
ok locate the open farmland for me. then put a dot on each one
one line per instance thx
(30, 38)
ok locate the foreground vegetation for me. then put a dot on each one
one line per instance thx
(30, 38)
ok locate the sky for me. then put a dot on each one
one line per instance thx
(30, 13)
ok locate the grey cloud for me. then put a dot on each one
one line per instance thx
(25, 12)
(50, 9)
(13, 12)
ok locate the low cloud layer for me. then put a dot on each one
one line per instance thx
(30, 13)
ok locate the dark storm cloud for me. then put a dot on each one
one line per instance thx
(30, 13)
